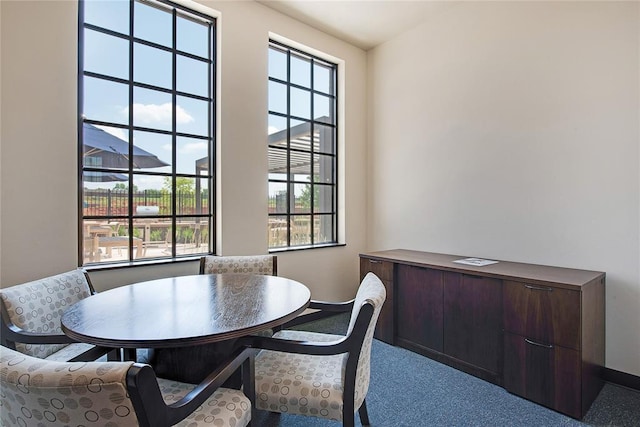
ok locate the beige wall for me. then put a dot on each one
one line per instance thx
(510, 130)
(38, 137)
(499, 130)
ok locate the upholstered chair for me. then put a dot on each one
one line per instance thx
(317, 374)
(31, 312)
(249, 264)
(38, 392)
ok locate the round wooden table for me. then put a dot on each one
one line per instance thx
(195, 318)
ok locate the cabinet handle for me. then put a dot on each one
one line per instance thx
(528, 341)
(375, 261)
(538, 288)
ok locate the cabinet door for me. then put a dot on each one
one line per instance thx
(473, 320)
(419, 305)
(546, 374)
(547, 315)
(384, 270)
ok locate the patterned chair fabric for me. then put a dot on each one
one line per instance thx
(225, 407)
(37, 392)
(246, 264)
(301, 383)
(38, 306)
(314, 384)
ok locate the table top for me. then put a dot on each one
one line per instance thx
(185, 310)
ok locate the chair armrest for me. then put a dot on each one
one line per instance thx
(324, 310)
(332, 306)
(318, 348)
(15, 334)
(147, 398)
(12, 334)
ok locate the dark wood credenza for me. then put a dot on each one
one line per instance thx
(537, 331)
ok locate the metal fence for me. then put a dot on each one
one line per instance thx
(109, 203)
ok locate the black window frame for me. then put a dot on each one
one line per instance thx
(175, 10)
(308, 126)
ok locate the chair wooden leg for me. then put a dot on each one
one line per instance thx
(364, 416)
(348, 407)
(249, 384)
(348, 420)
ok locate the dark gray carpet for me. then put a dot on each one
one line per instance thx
(408, 389)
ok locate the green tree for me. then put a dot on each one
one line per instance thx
(183, 185)
(124, 187)
(304, 199)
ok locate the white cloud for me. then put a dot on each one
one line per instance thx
(159, 113)
(182, 116)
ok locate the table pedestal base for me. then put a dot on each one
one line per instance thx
(193, 364)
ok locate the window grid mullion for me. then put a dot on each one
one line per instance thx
(174, 145)
(290, 186)
(130, 133)
(212, 133)
(312, 175)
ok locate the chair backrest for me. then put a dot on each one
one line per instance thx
(38, 392)
(38, 306)
(247, 264)
(371, 291)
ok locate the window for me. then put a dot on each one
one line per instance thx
(145, 97)
(302, 149)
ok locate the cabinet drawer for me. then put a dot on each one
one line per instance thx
(546, 374)
(544, 314)
(382, 269)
